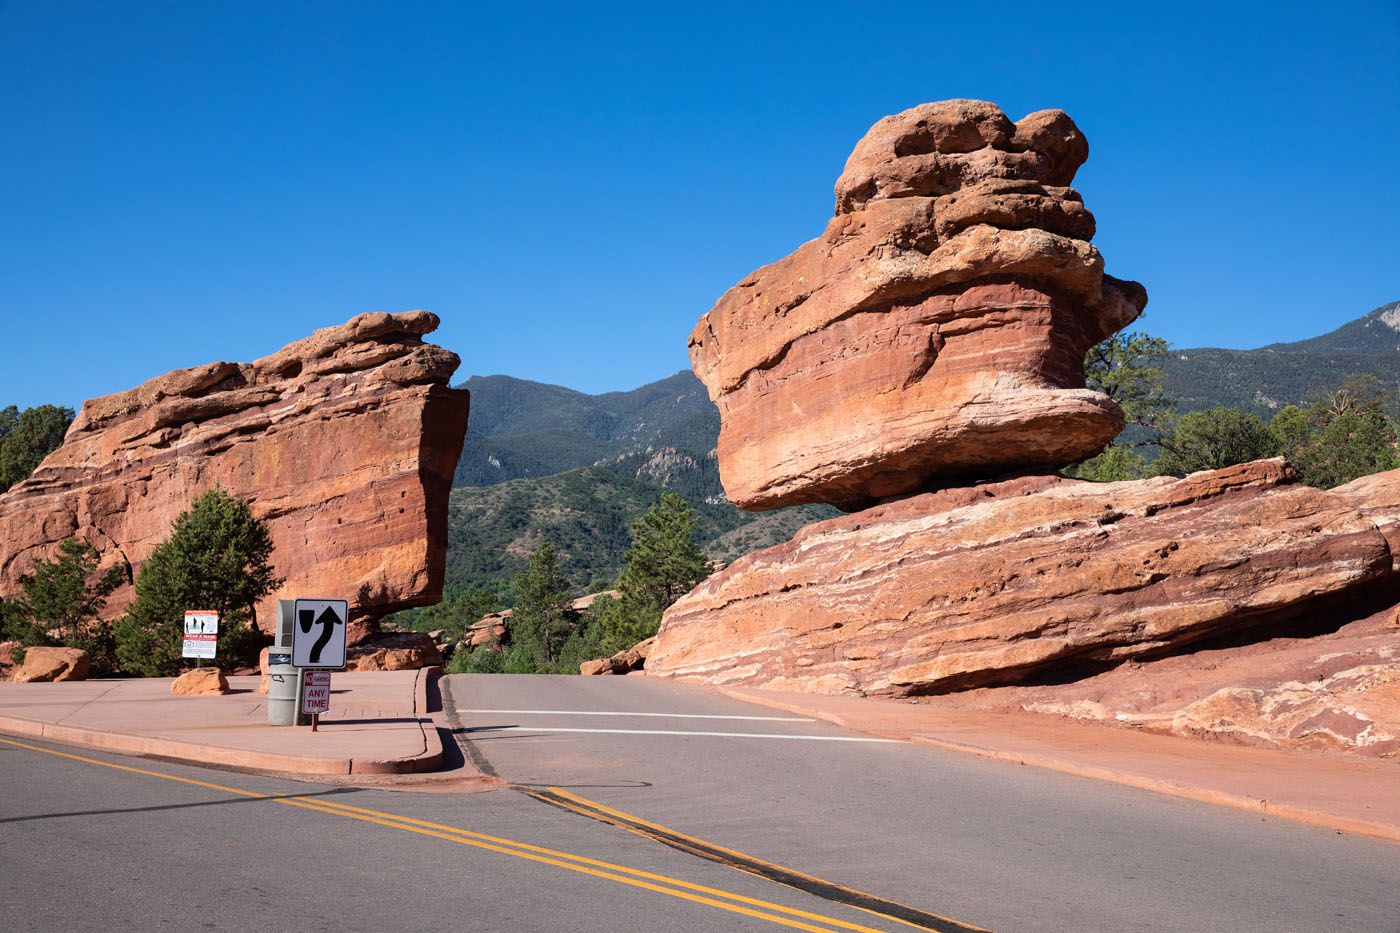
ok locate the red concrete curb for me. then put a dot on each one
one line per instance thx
(430, 759)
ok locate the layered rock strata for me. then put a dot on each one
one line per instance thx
(936, 331)
(344, 443)
(1338, 691)
(1005, 581)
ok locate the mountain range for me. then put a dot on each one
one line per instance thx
(543, 462)
(1279, 374)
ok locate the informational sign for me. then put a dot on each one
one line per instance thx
(201, 634)
(316, 691)
(318, 638)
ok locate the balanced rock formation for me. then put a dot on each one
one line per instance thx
(344, 443)
(935, 332)
(1003, 581)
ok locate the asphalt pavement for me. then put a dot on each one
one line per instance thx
(635, 804)
(985, 842)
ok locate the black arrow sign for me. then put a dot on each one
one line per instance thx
(328, 620)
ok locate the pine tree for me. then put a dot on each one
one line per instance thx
(1127, 368)
(216, 558)
(27, 437)
(662, 564)
(67, 594)
(540, 621)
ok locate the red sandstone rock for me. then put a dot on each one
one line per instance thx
(935, 331)
(1338, 691)
(200, 681)
(994, 583)
(402, 651)
(627, 661)
(488, 630)
(344, 442)
(51, 665)
(8, 650)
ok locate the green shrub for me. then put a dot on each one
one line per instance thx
(216, 558)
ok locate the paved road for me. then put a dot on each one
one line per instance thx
(90, 841)
(995, 844)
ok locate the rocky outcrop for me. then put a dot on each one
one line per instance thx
(626, 661)
(344, 443)
(200, 681)
(399, 651)
(936, 331)
(493, 631)
(44, 665)
(1000, 582)
(1336, 691)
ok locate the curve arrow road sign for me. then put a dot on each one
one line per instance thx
(318, 638)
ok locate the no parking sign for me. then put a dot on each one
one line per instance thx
(316, 691)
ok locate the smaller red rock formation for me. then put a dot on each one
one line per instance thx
(936, 331)
(344, 443)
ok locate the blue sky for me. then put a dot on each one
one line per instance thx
(571, 186)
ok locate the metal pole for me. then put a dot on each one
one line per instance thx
(315, 721)
(301, 685)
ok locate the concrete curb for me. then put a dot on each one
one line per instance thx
(1390, 832)
(246, 760)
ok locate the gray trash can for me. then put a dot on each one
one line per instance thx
(281, 688)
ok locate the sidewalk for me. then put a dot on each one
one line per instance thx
(1353, 795)
(379, 723)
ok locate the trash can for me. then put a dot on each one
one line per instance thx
(281, 688)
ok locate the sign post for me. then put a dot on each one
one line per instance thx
(318, 647)
(201, 635)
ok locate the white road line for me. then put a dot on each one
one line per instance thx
(727, 735)
(576, 712)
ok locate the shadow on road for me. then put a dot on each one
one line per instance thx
(270, 798)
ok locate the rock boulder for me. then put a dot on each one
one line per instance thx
(935, 332)
(402, 651)
(626, 661)
(52, 665)
(344, 443)
(200, 681)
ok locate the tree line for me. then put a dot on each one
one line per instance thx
(27, 437)
(1335, 437)
(544, 634)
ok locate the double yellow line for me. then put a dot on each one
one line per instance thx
(621, 874)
